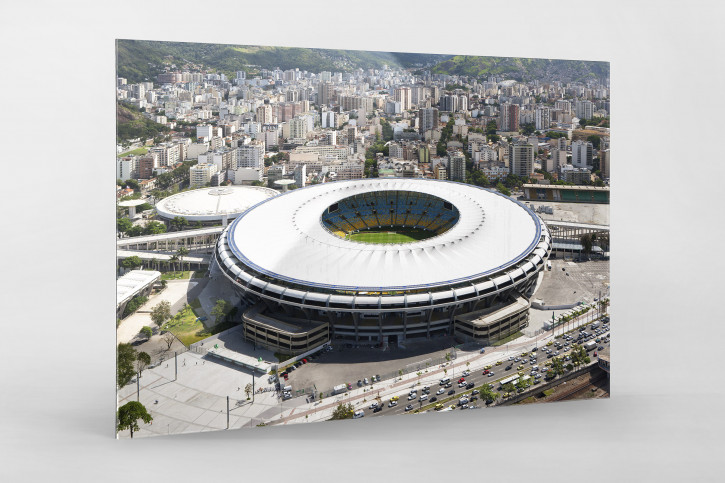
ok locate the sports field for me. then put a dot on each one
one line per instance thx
(395, 235)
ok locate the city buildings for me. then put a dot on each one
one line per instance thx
(521, 159)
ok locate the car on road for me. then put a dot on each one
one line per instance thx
(433, 399)
(286, 377)
(520, 367)
(412, 396)
(488, 366)
(365, 381)
(451, 392)
(392, 403)
(491, 374)
(549, 344)
(470, 385)
(601, 347)
(508, 368)
(475, 392)
(440, 391)
(358, 414)
(374, 405)
(511, 358)
(395, 398)
(498, 363)
(423, 397)
(486, 372)
(378, 409)
(466, 373)
(409, 407)
(449, 385)
(359, 383)
(377, 377)
(438, 406)
(463, 379)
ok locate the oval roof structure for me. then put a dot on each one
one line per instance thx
(284, 238)
(211, 204)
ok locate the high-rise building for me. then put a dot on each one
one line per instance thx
(298, 128)
(250, 155)
(557, 160)
(300, 174)
(584, 109)
(562, 105)
(329, 119)
(542, 118)
(146, 167)
(509, 117)
(457, 166)
(439, 171)
(325, 93)
(200, 174)
(264, 114)
(521, 159)
(604, 166)
(127, 168)
(403, 95)
(582, 154)
(448, 103)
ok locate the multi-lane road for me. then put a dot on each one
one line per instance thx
(506, 369)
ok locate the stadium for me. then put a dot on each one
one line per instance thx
(382, 261)
(212, 206)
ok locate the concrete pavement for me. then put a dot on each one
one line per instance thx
(176, 293)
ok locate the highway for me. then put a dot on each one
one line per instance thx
(506, 369)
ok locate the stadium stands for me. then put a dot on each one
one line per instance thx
(383, 209)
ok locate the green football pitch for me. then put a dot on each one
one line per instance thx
(397, 235)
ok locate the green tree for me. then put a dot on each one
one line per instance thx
(221, 310)
(154, 228)
(343, 411)
(135, 230)
(557, 366)
(172, 260)
(179, 222)
(123, 224)
(133, 184)
(527, 128)
(146, 331)
(181, 253)
(143, 360)
(248, 390)
(161, 312)
(595, 140)
(125, 357)
(131, 262)
(587, 242)
(129, 414)
(502, 189)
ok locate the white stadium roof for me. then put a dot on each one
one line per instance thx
(285, 239)
(211, 204)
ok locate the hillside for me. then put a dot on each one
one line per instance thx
(131, 124)
(523, 69)
(139, 60)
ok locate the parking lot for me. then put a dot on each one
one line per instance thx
(348, 363)
(577, 282)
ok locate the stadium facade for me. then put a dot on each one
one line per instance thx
(303, 281)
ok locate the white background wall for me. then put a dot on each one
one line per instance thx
(664, 421)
